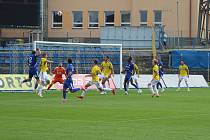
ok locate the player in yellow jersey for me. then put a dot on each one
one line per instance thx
(155, 79)
(183, 74)
(95, 71)
(107, 71)
(43, 73)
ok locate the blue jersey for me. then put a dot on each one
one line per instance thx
(160, 65)
(129, 69)
(32, 61)
(70, 71)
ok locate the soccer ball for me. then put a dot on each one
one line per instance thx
(59, 13)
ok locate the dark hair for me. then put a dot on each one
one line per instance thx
(44, 54)
(129, 59)
(95, 62)
(107, 57)
(33, 52)
(69, 60)
(155, 61)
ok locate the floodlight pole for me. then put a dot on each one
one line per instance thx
(177, 6)
(208, 67)
(42, 19)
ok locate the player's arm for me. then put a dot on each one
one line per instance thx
(54, 71)
(155, 73)
(64, 72)
(179, 71)
(88, 75)
(112, 70)
(49, 61)
(138, 72)
(101, 66)
(123, 71)
(188, 72)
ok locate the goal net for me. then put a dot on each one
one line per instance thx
(82, 54)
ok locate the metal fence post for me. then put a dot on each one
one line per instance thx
(208, 67)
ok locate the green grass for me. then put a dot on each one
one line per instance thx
(173, 116)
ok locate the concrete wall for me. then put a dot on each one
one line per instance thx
(188, 26)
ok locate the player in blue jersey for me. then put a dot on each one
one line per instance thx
(161, 72)
(129, 69)
(68, 83)
(33, 67)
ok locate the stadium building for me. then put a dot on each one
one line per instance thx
(80, 21)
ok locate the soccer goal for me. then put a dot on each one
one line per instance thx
(82, 54)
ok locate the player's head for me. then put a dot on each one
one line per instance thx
(95, 62)
(182, 62)
(106, 58)
(60, 65)
(33, 52)
(44, 55)
(38, 52)
(154, 61)
(69, 60)
(130, 59)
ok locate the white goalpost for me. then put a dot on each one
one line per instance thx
(82, 54)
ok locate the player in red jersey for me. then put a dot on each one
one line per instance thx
(58, 71)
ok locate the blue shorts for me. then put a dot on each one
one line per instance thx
(68, 83)
(128, 77)
(33, 73)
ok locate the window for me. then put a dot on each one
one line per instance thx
(109, 18)
(77, 19)
(57, 19)
(158, 17)
(125, 18)
(143, 18)
(93, 19)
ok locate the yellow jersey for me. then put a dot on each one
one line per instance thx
(106, 68)
(43, 65)
(183, 70)
(155, 72)
(95, 71)
(136, 69)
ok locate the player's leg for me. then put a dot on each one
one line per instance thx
(84, 89)
(41, 84)
(126, 82)
(52, 83)
(103, 82)
(105, 90)
(65, 86)
(132, 83)
(139, 89)
(36, 76)
(185, 79)
(30, 75)
(104, 79)
(159, 86)
(156, 93)
(180, 80)
(151, 88)
(71, 87)
(46, 80)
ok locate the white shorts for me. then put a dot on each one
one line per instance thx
(94, 83)
(101, 76)
(185, 78)
(154, 82)
(43, 76)
(134, 77)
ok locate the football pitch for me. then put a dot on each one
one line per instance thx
(174, 116)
